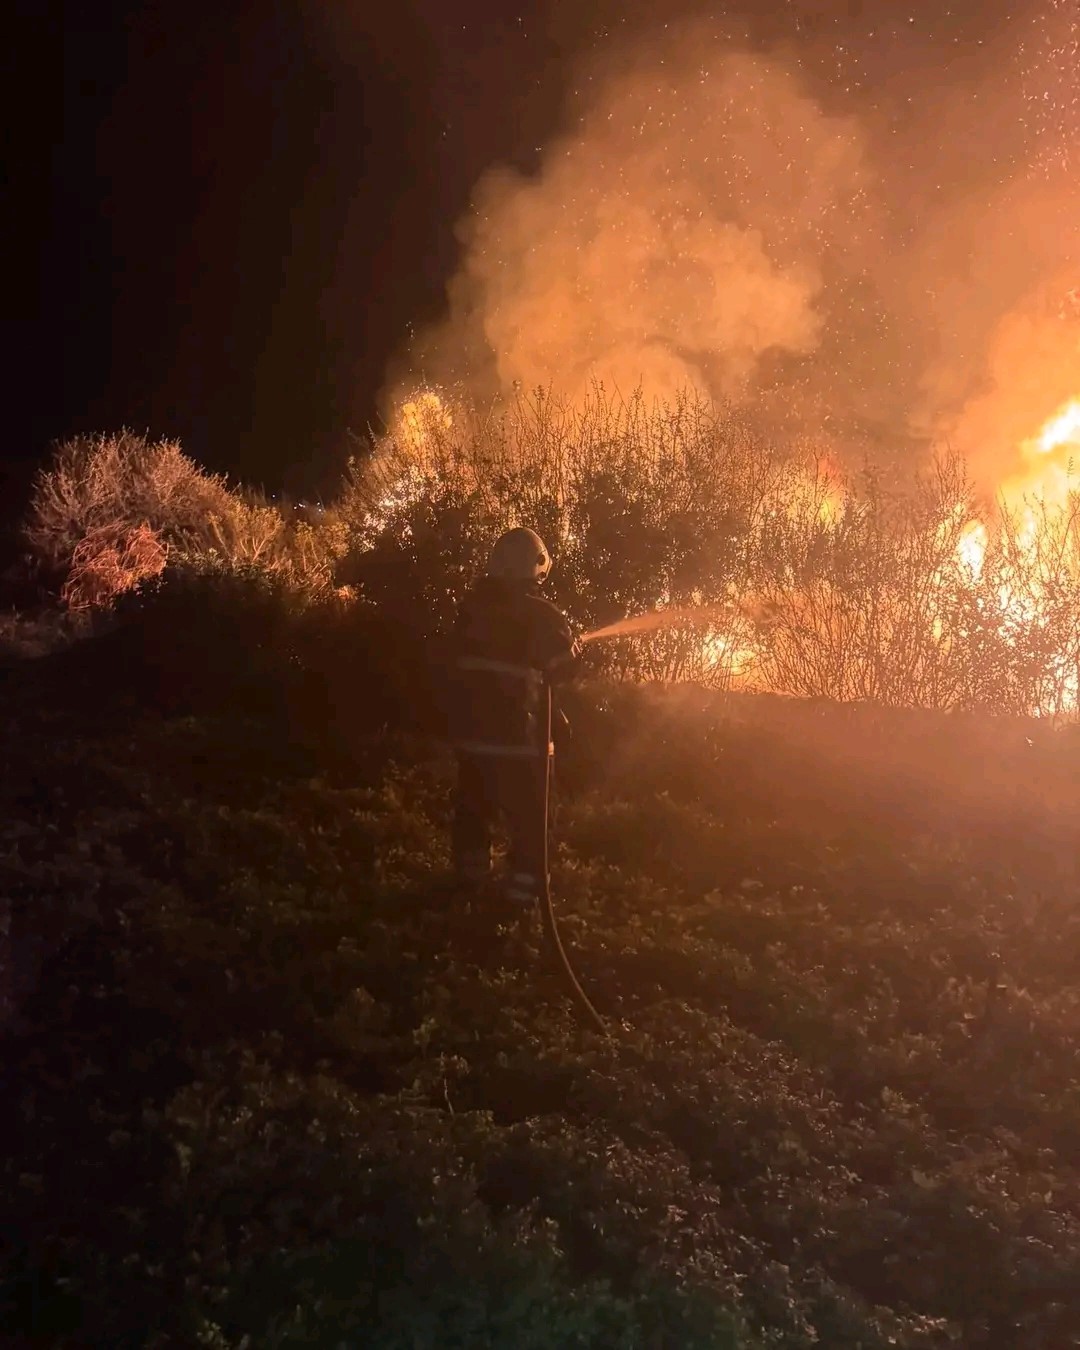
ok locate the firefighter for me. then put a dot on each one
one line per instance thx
(510, 646)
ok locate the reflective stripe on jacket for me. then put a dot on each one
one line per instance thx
(508, 641)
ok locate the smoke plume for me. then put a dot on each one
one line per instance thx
(879, 256)
(675, 236)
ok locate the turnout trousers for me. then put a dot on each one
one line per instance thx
(509, 787)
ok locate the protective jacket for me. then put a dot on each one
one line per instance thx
(507, 641)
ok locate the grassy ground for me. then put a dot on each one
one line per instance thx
(273, 1084)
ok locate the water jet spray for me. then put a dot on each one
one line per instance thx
(667, 618)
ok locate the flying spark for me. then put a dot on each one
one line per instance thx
(1051, 86)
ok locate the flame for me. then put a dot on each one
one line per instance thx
(829, 483)
(402, 478)
(1046, 481)
(422, 418)
(1001, 560)
(814, 492)
(1036, 495)
(733, 649)
(830, 506)
(1062, 429)
(971, 549)
(1050, 467)
(731, 652)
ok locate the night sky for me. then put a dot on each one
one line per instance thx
(234, 213)
(238, 210)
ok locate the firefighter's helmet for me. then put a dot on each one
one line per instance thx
(519, 555)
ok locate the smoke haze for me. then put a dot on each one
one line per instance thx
(871, 240)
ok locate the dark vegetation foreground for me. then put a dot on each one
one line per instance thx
(269, 1083)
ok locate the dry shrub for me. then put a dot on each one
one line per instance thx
(836, 587)
(109, 560)
(117, 481)
(794, 581)
(885, 608)
(96, 507)
(644, 504)
(254, 534)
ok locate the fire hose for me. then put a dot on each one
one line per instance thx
(547, 907)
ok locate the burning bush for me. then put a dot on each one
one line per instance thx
(767, 568)
(644, 505)
(761, 567)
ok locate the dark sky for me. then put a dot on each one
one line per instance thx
(234, 211)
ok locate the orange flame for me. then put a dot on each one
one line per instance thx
(1040, 491)
(422, 417)
(971, 550)
(1050, 469)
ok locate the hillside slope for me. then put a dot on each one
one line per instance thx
(275, 1084)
